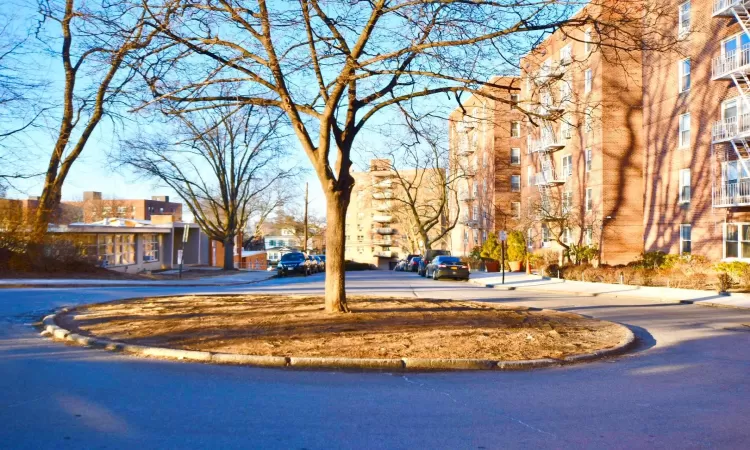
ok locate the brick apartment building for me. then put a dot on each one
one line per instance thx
(486, 148)
(376, 225)
(697, 122)
(585, 164)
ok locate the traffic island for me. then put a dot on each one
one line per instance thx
(381, 333)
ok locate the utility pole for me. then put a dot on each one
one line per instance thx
(305, 245)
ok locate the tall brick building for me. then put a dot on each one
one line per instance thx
(696, 129)
(486, 146)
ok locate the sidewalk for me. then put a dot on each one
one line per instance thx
(243, 277)
(523, 282)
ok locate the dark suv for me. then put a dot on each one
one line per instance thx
(294, 262)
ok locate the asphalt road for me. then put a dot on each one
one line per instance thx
(686, 386)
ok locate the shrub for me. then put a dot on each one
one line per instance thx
(516, 246)
(723, 282)
(738, 271)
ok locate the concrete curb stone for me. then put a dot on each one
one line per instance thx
(302, 362)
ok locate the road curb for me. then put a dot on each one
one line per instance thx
(51, 329)
(135, 284)
(634, 295)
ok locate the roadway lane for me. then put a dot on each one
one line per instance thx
(686, 386)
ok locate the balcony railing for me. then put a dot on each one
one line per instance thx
(382, 195)
(382, 219)
(731, 61)
(732, 194)
(724, 7)
(384, 254)
(552, 176)
(386, 206)
(731, 128)
(383, 184)
(385, 231)
(547, 143)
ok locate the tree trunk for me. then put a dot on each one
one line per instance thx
(48, 204)
(229, 253)
(335, 294)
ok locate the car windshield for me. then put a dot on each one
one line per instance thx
(293, 257)
(448, 260)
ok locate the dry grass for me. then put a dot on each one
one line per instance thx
(377, 328)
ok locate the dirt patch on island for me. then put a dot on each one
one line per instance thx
(377, 327)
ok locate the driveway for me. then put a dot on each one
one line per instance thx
(686, 386)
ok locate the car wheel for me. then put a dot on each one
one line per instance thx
(435, 275)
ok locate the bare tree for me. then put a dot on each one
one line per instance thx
(20, 107)
(100, 47)
(223, 163)
(333, 66)
(423, 183)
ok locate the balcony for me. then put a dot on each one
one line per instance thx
(382, 243)
(382, 219)
(731, 128)
(465, 150)
(471, 223)
(385, 230)
(382, 195)
(731, 62)
(466, 197)
(383, 184)
(384, 254)
(385, 206)
(727, 195)
(723, 8)
(547, 143)
(552, 177)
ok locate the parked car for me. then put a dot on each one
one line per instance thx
(321, 262)
(413, 265)
(313, 263)
(431, 254)
(447, 267)
(400, 266)
(293, 263)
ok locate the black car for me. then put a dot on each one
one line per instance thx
(431, 254)
(293, 263)
(447, 267)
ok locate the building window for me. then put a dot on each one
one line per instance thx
(515, 183)
(737, 240)
(466, 236)
(475, 212)
(116, 249)
(360, 238)
(587, 82)
(587, 41)
(515, 208)
(151, 247)
(588, 119)
(685, 130)
(684, 19)
(566, 55)
(529, 238)
(567, 236)
(684, 67)
(589, 199)
(588, 157)
(567, 166)
(515, 129)
(475, 190)
(515, 156)
(567, 202)
(685, 239)
(476, 237)
(514, 98)
(565, 128)
(685, 186)
(529, 176)
(588, 236)
(546, 235)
